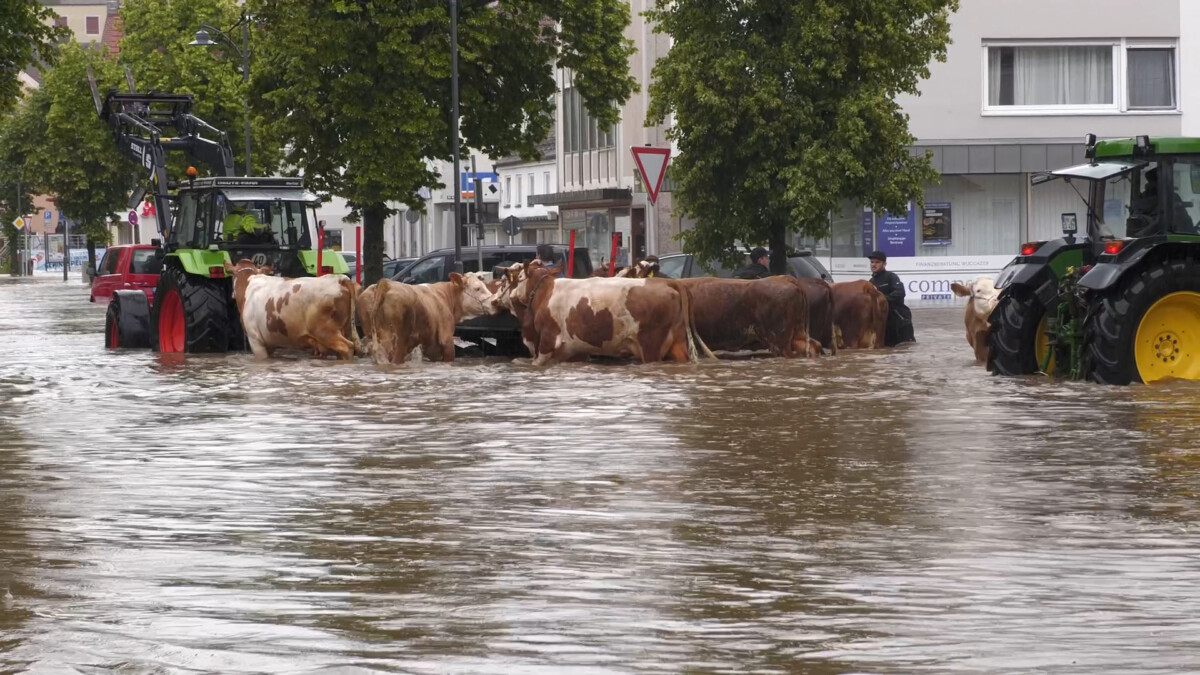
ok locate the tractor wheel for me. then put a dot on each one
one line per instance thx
(1147, 327)
(1017, 340)
(127, 321)
(191, 314)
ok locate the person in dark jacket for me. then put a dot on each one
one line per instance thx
(899, 320)
(757, 269)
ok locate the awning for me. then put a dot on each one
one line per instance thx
(613, 196)
(269, 194)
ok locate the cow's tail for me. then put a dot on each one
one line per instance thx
(349, 284)
(693, 337)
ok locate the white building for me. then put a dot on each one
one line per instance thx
(520, 182)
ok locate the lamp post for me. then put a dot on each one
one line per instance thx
(458, 265)
(203, 39)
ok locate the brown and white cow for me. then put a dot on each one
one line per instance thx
(859, 315)
(982, 295)
(570, 319)
(401, 317)
(750, 314)
(308, 313)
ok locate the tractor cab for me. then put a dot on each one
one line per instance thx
(267, 220)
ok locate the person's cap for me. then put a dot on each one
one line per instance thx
(758, 252)
(878, 255)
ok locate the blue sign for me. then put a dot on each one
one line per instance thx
(467, 179)
(867, 220)
(46, 216)
(898, 234)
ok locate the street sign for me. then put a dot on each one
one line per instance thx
(652, 163)
(511, 225)
(133, 218)
(412, 216)
(46, 216)
(19, 223)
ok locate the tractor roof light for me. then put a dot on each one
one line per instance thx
(1089, 146)
(1141, 146)
(1031, 247)
(1114, 247)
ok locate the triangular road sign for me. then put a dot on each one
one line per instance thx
(652, 163)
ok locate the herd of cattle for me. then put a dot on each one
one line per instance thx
(636, 316)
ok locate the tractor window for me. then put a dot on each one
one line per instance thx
(1117, 203)
(262, 222)
(1185, 207)
(185, 221)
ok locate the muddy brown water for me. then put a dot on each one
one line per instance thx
(886, 512)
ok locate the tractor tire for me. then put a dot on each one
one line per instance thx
(1147, 327)
(1013, 339)
(127, 321)
(191, 314)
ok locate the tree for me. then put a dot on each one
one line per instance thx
(156, 48)
(360, 91)
(20, 129)
(782, 110)
(73, 155)
(27, 35)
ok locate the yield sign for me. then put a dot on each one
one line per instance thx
(652, 163)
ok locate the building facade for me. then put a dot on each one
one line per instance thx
(1022, 83)
(520, 183)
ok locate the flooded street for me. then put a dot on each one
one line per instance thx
(887, 512)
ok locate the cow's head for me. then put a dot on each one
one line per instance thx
(508, 281)
(241, 273)
(982, 293)
(646, 268)
(476, 296)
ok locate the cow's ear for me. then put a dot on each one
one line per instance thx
(229, 269)
(960, 290)
(457, 279)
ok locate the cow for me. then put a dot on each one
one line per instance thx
(402, 317)
(742, 314)
(308, 313)
(859, 315)
(572, 319)
(819, 295)
(982, 296)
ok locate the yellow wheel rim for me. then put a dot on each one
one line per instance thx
(1041, 344)
(1167, 343)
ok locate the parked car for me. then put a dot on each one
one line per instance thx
(126, 267)
(502, 328)
(684, 266)
(393, 267)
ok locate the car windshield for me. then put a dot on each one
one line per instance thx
(263, 222)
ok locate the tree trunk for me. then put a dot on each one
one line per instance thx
(778, 246)
(91, 263)
(372, 253)
(12, 234)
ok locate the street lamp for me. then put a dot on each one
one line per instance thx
(458, 264)
(204, 40)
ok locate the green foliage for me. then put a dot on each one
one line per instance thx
(27, 35)
(359, 91)
(71, 153)
(783, 110)
(20, 129)
(157, 51)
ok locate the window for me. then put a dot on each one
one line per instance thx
(580, 131)
(93, 25)
(546, 182)
(109, 264)
(427, 271)
(143, 262)
(1103, 78)
(508, 191)
(517, 201)
(529, 193)
(1151, 78)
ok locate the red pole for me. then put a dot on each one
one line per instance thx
(571, 254)
(612, 257)
(320, 245)
(358, 255)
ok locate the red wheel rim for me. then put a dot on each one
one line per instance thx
(112, 332)
(170, 324)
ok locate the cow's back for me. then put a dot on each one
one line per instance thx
(299, 313)
(859, 314)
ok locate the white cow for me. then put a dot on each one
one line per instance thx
(982, 295)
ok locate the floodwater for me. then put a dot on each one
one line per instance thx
(889, 512)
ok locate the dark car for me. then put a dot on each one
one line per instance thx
(502, 328)
(395, 267)
(684, 266)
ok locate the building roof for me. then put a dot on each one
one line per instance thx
(547, 148)
(111, 36)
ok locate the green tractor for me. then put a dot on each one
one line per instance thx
(205, 223)
(1124, 304)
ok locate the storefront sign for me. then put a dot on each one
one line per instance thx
(897, 233)
(935, 224)
(868, 232)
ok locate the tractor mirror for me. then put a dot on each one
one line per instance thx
(1070, 225)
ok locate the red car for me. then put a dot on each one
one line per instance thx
(128, 267)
